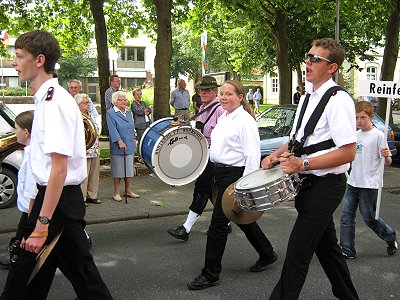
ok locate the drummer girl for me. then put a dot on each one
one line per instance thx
(234, 149)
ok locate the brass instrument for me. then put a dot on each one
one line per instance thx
(90, 131)
(8, 144)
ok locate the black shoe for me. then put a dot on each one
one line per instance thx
(179, 233)
(200, 282)
(94, 201)
(392, 247)
(5, 265)
(262, 264)
(348, 254)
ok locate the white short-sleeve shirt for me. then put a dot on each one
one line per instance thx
(26, 188)
(338, 122)
(235, 141)
(57, 128)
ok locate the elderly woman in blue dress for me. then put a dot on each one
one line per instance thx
(121, 129)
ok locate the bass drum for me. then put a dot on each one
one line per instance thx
(177, 154)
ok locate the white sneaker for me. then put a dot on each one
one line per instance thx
(392, 247)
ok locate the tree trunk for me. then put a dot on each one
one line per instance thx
(96, 6)
(282, 58)
(299, 73)
(391, 52)
(162, 60)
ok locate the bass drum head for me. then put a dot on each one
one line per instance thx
(259, 178)
(178, 156)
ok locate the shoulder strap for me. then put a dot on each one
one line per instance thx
(209, 116)
(316, 115)
(203, 111)
(302, 111)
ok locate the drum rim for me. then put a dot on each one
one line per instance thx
(147, 130)
(259, 186)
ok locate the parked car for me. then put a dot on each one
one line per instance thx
(10, 164)
(275, 124)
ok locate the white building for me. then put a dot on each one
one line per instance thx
(133, 63)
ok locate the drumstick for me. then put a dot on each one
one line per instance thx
(284, 155)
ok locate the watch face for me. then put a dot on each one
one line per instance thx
(306, 164)
(43, 220)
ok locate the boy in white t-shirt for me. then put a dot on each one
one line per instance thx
(363, 183)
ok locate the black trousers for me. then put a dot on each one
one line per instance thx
(218, 231)
(314, 232)
(71, 253)
(203, 189)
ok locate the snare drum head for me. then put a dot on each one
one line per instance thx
(178, 154)
(259, 178)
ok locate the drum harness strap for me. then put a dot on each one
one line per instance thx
(298, 147)
(199, 125)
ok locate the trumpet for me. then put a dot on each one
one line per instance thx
(90, 131)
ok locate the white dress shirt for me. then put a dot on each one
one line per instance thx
(57, 128)
(235, 141)
(338, 122)
(26, 188)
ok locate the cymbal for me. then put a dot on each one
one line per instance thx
(42, 256)
(234, 212)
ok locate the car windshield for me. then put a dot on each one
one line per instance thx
(277, 120)
(9, 117)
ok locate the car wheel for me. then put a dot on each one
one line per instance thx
(8, 188)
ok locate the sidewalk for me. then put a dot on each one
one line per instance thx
(157, 199)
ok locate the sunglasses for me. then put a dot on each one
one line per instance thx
(315, 58)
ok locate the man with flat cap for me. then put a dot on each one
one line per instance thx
(203, 186)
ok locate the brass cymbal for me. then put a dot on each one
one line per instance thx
(234, 212)
(42, 256)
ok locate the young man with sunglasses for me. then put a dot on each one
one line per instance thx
(323, 167)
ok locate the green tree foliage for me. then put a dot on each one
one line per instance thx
(77, 65)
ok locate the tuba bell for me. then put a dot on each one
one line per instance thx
(8, 144)
(90, 131)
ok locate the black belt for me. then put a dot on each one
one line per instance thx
(326, 176)
(219, 165)
(182, 108)
(44, 187)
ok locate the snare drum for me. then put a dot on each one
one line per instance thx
(264, 189)
(176, 154)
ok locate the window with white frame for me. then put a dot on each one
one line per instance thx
(132, 53)
(371, 73)
(275, 85)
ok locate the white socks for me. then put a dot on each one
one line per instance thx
(191, 219)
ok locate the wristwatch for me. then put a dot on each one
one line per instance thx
(44, 220)
(306, 164)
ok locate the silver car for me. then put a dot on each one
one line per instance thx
(275, 124)
(11, 164)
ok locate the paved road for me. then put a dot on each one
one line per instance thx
(139, 260)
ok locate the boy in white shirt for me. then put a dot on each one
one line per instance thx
(363, 183)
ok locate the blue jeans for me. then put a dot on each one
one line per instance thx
(366, 200)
